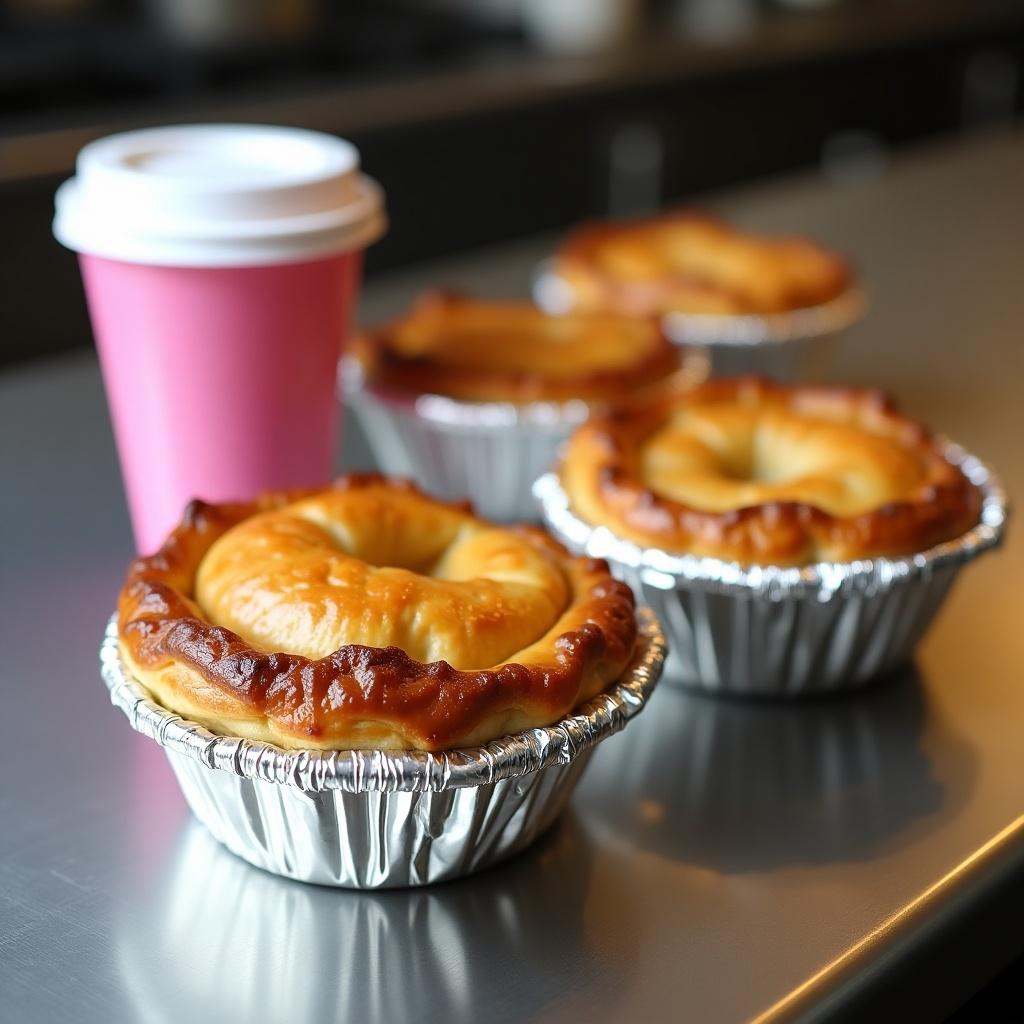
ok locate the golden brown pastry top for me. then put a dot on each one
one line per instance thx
(761, 474)
(484, 350)
(369, 616)
(689, 262)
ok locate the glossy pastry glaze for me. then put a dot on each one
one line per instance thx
(480, 350)
(369, 615)
(689, 262)
(761, 474)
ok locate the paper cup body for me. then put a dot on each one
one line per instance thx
(221, 265)
(220, 381)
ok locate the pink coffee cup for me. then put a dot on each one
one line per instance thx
(221, 266)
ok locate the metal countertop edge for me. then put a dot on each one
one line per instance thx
(867, 972)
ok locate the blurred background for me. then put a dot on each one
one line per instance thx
(488, 120)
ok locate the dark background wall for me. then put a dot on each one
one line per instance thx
(475, 150)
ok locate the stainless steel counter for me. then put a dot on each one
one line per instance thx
(722, 859)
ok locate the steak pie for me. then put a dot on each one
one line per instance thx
(757, 473)
(369, 615)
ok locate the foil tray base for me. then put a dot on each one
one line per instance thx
(744, 645)
(492, 468)
(753, 331)
(772, 631)
(371, 819)
(489, 452)
(374, 839)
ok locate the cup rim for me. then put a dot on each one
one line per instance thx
(218, 195)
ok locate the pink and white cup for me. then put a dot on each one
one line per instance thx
(221, 266)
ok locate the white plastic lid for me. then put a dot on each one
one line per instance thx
(219, 195)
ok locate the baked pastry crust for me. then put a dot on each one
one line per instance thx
(690, 262)
(756, 473)
(509, 351)
(369, 616)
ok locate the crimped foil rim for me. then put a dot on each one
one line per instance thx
(470, 417)
(745, 330)
(737, 330)
(822, 580)
(355, 771)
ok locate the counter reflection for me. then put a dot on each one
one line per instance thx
(742, 786)
(211, 938)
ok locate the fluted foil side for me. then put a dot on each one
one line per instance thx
(775, 631)
(745, 645)
(381, 819)
(489, 452)
(374, 839)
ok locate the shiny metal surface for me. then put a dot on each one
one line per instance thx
(379, 819)
(768, 631)
(802, 858)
